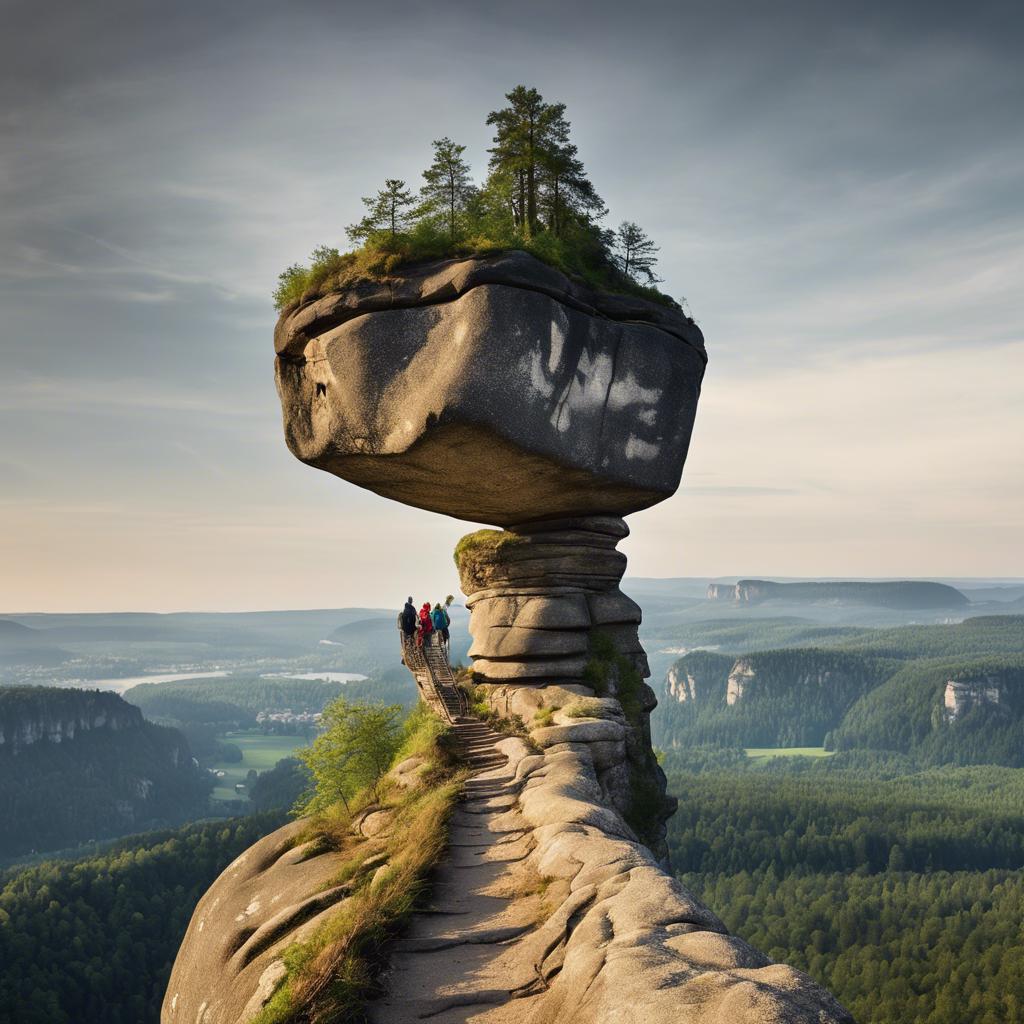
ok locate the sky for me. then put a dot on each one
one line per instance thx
(837, 191)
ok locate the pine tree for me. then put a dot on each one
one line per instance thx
(567, 191)
(526, 133)
(635, 252)
(388, 211)
(448, 185)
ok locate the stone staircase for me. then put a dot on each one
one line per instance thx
(476, 745)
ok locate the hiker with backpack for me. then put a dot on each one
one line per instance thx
(441, 620)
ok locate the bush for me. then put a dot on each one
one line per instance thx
(355, 750)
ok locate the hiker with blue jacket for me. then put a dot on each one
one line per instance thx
(441, 622)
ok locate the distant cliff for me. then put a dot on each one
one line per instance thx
(30, 715)
(898, 594)
(764, 699)
(78, 765)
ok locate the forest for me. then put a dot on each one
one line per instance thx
(536, 196)
(897, 888)
(92, 941)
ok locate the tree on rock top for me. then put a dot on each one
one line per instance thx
(388, 211)
(537, 197)
(448, 187)
(535, 166)
(635, 253)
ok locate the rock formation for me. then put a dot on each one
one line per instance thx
(56, 715)
(907, 594)
(964, 695)
(493, 390)
(496, 390)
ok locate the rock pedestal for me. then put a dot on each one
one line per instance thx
(555, 642)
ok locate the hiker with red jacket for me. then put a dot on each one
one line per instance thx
(426, 626)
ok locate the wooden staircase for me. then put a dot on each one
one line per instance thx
(435, 679)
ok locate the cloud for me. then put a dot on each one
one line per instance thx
(836, 193)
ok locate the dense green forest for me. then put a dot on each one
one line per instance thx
(92, 941)
(906, 713)
(982, 635)
(899, 889)
(78, 765)
(537, 196)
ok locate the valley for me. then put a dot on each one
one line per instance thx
(849, 777)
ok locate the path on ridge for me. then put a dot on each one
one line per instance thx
(452, 963)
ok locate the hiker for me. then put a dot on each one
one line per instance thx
(439, 617)
(426, 626)
(407, 621)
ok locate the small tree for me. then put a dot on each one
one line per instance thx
(448, 186)
(388, 211)
(353, 752)
(635, 252)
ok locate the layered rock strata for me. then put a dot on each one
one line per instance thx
(553, 633)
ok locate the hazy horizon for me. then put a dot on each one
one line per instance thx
(835, 192)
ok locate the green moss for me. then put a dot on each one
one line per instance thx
(484, 544)
(586, 709)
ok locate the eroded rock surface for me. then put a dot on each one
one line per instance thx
(549, 911)
(492, 389)
(551, 628)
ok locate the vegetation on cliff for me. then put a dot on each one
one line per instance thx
(879, 689)
(536, 196)
(332, 973)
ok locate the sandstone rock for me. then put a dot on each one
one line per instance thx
(372, 822)
(526, 699)
(582, 731)
(497, 404)
(629, 943)
(515, 642)
(529, 669)
(272, 895)
(533, 611)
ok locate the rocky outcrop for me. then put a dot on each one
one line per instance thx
(49, 715)
(547, 909)
(493, 390)
(742, 675)
(496, 390)
(888, 594)
(552, 632)
(80, 764)
(962, 696)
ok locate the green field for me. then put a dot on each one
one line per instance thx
(259, 752)
(764, 753)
